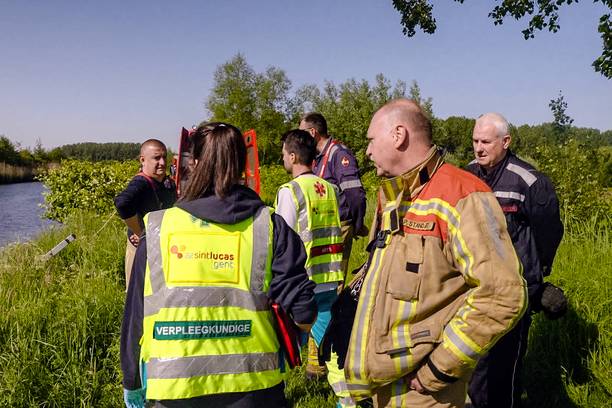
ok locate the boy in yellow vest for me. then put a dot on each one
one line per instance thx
(309, 205)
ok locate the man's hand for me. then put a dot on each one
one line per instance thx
(133, 223)
(134, 239)
(414, 383)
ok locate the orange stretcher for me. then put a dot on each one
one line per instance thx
(183, 161)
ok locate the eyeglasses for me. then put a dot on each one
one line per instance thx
(308, 129)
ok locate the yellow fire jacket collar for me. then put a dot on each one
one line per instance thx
(413, 181)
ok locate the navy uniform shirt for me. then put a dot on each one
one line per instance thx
(143, 195)
(530, 205)
(337, 164)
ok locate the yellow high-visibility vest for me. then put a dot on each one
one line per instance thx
(319, 227)
(208, 327)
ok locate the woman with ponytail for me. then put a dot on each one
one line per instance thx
(198, 328)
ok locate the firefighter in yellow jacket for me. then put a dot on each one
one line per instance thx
(198, 306)
(442, 283)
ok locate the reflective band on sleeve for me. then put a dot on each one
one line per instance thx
(509, 194)
(188, 367)
(323, 268)
(350, 184)
(355, 387)
(308, 236)
(527, 176)
(154, 255)
(460, 345)
(302, 215)
(261, 228)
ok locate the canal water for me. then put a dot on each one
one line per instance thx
(20, 212)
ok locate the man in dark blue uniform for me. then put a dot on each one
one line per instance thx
(150, 190)
(336, 164)
(531, 207)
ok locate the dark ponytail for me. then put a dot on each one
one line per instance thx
(221, 156)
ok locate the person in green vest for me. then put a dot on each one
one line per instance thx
(198, 329)
(309, 205)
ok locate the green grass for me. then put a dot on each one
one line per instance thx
(60, 323)
(569, 362)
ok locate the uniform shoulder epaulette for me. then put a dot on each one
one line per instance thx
(528, 176)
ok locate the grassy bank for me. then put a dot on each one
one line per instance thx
(569, 363)
(60, 322)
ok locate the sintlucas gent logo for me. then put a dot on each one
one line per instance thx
(180, 252)
(174, 249)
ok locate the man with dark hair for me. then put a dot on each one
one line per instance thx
(149, 190)
(337, 164)
(309, 205)
(530, 205)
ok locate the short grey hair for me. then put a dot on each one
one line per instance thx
(497, 120)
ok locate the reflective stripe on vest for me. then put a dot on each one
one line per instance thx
(207, 325)
(319, 227)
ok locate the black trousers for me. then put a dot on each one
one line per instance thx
(496, 381)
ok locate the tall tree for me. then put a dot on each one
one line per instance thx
(248, 99)
(8, 151)
(425, 103)
(562, 122)
(348, 107)
(544, 14)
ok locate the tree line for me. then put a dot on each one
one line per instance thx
(13, 154)
(578, 160)
(264, 101)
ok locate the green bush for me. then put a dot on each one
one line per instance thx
(82, 185)
(272, 177)
(575, 171)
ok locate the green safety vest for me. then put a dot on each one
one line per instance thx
(319, 227)
(208, 327)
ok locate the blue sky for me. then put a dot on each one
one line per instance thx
(76, 71)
